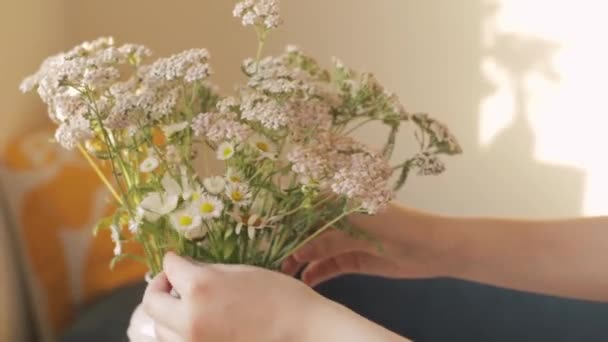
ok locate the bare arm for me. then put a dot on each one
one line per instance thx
(558, 257)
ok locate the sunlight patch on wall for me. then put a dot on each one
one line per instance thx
(548, 62)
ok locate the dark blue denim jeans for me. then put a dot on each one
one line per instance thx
(424, 310)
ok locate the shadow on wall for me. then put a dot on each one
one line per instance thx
(526, 186)
(503, 178)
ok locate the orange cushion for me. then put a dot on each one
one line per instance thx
(56, 199)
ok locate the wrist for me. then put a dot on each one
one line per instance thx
(330, 321)
(431, 240)
(450, 236)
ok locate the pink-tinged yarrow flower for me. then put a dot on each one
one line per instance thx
(258, 12)
(218, 127)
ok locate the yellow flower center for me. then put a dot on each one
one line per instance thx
(237, 196)
(262, 146)
(207, 208)
(185, 220)
(227, 152)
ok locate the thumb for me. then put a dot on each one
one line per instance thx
(184, 274)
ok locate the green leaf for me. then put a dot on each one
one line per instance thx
(228, 233)
(103, 223)
(229, 248)
(122, 257)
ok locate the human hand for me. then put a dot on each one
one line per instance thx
(411, 248)
(233, 303)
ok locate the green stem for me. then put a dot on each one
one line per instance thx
(110, 144)
(359, 125)
(262, 33)
(316, 234)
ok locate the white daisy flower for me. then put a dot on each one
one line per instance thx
(214, 185)
(187, 223)
(158, 204)
(234, 176)
(169, 130)
(208, 207)
(196, 233)
(225, 151)
(170, 185)
(149, 164)
(239, 194)
(264, 146)
(115, 231)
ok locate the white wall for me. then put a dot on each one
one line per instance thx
(30, 30)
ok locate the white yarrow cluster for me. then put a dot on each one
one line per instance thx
(258, 12)
(218, 127)
(428, 165)
(73, 131)
(189, 66)
(347, 168)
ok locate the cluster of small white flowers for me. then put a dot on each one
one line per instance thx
(311, 162)
(347, 168)
(101, 78)
(275, 75)
(124, 99)
(158, 102)
(191, 66)
(67, 104)
(219, 127)
(73, 131)
(301, 116)
(322, 156)
(428, 165)
(228, 105)
(309, 117)
(92, 65)
(258, 12)
(364, 178)
(74, 84)
(259, 107)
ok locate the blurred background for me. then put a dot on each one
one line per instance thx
(521, 83)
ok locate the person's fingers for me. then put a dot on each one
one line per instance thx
(355, 262)
(183, 274)
(164, 334)
(159, 304)
(291, 266)
(330, 244)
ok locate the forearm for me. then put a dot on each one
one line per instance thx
(564, 258)
(334, 322)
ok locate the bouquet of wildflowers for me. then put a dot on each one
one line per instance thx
(290, 168)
